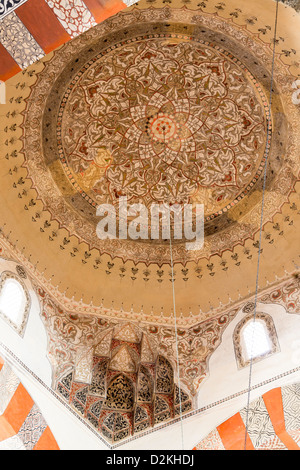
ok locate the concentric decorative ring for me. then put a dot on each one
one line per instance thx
(163, 118)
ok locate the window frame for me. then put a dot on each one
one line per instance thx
(19, 328)
(239, 342)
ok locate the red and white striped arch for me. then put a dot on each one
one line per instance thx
(22, 425)
(34, 28)
(271, 424)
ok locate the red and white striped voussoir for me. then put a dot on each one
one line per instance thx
(22, 425)
(30, 29)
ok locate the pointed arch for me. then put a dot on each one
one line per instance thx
(162, 409)
(14, 301)
(142, 417)
(145, 386)
(164, 376)
(254, 339)
(128, 381)
(116, 426)
(120, 394)
(124, 359)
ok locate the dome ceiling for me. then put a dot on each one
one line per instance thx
(158, 104)
(158, 118)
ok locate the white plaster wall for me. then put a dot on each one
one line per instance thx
(225, 379)
(69, 432)
(32, 347)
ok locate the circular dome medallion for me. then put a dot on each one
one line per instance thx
(158, 117)
(163, 118)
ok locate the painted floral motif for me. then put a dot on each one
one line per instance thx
(7, 6)
(19, 42)
(73, 15)
(226, 233)
(263, 427)
(145, 120)
(119, 400)
(29, 433)
(32, 428)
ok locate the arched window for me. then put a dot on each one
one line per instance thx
(14, 301)
(254, 339)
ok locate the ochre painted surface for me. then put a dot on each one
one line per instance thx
(18, 408)
(53, 239)
(233, 433)
(46, 441)
(273, 402)
(21, 418)
(8, 66)
(102, 10)
(42, 23)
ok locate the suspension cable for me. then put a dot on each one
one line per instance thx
(261, 221)
(175, 324)
(176, 338)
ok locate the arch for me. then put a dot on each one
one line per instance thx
(94, 412)
(116, 426)
(164, 376)
(142, 417)
(123, 358)
(64, 386)
(162, 409)
(145, 386)
(122, 385)
(80, 399)
(254, 340)
(120, 394)
(14, 301)
(182, 401)
(273, 424)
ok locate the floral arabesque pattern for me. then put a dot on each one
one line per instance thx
(145, 120)
(73, 15)
(120, 403)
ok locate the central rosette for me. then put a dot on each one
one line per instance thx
(162, 121)
(163, 128)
